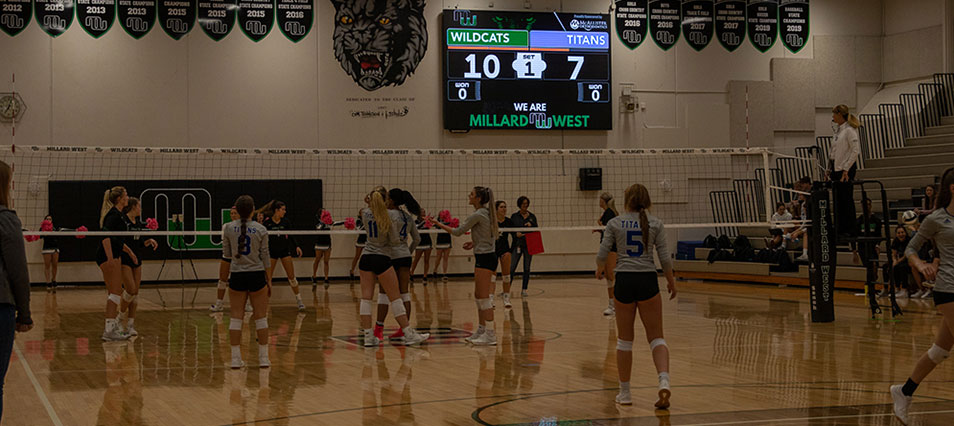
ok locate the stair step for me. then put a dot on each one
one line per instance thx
(893, 194)
(878, 173)
(930, 140)
(939, 130)
(906, 181)
(947, 121)
(919, 150)
(912, 160)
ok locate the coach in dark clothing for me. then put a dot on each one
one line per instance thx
(521, 219)
(14, 278)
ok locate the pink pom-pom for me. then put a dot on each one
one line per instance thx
(81, 229)
(444, 216)
(326, 218)
(427, 224)
(349, 223)
(152, 224)
(454, 222)
(46, 226)
(31, 238)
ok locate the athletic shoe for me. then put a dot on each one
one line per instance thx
(901, 403)
(624, 398)
(523, 293)
(488, 338)
(928, 284)
(412, 337)
(370, 340)
(327, 283)
(927, 294)
(610, 310)
(397, 335)
(237, 363)
(506, 299)
(883, 293)
(802, 258)
(263, 361)
(301, 306)
(379, 332)
(918, 294)
(114, 334)
(444, 278)
(131, 330)
(901, 294)
(314, 281)
(664, 394)
(216, 308)
(475, 335)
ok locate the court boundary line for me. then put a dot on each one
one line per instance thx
(36, 387)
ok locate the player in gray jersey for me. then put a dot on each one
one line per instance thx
(483, 233)
(375, 263)
(400, 254)
(938, 226)
(246, 243)
(637, 235)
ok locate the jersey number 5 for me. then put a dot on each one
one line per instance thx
(245, 245)
(634, 242)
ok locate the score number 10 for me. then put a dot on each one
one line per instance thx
(526, 66)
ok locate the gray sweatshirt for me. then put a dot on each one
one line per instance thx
(14, 276)
(478, 223)
(634, 255)
(938, 226)
(405, 225)
(253, 248)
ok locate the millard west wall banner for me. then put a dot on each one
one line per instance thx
(15, 16)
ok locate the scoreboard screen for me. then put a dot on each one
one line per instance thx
(526, 70)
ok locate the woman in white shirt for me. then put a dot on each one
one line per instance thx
(845, 150)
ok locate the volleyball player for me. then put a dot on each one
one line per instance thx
(132, 268)
(108, 258)
(483, 237)
(282, 246)
(423, 249)
(246, 243)
(609, 212)
(51, 254)
(375, 264)
(938, 226)
(400, 255)
(223, 283)
(637, 235)
(502, 251)
(443, 248)
(360, 243)
(322, 248)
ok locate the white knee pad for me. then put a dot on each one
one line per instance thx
(506, 279)
(114, 298)
(261, 323)
(235, 324)
(624, 345)
(129, 298)
(485, 304)
(365, 307)
(397, 308)
(293, 283)
(657, 343)
(383, 299)
(937, 354)
(406, 297)
(222, 285)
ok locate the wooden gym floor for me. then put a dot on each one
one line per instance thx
(741, 354)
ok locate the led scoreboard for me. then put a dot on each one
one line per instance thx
(520, 70)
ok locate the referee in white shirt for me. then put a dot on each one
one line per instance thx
(845, 150)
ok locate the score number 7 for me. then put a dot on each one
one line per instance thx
(578, 67)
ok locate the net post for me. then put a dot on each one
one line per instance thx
(766, 186)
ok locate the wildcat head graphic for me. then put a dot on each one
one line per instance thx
(379, 43)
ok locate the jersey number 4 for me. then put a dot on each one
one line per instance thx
(634, 243)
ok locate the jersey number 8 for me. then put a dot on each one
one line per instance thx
(245, 245)
(634, 240)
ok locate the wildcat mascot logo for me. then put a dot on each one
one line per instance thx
(379, 43)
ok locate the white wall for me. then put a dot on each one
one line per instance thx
(913, 39)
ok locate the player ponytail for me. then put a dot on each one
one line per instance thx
(379, 208)
(400, 197)
(944, 199)
(843, 111)
(486, 197)
(245, 206)
(637, 201)
(110, 197)
(610, 203)
(268, 210)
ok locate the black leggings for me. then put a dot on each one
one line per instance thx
(901, 275)
(844, 195)
(520, 249)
